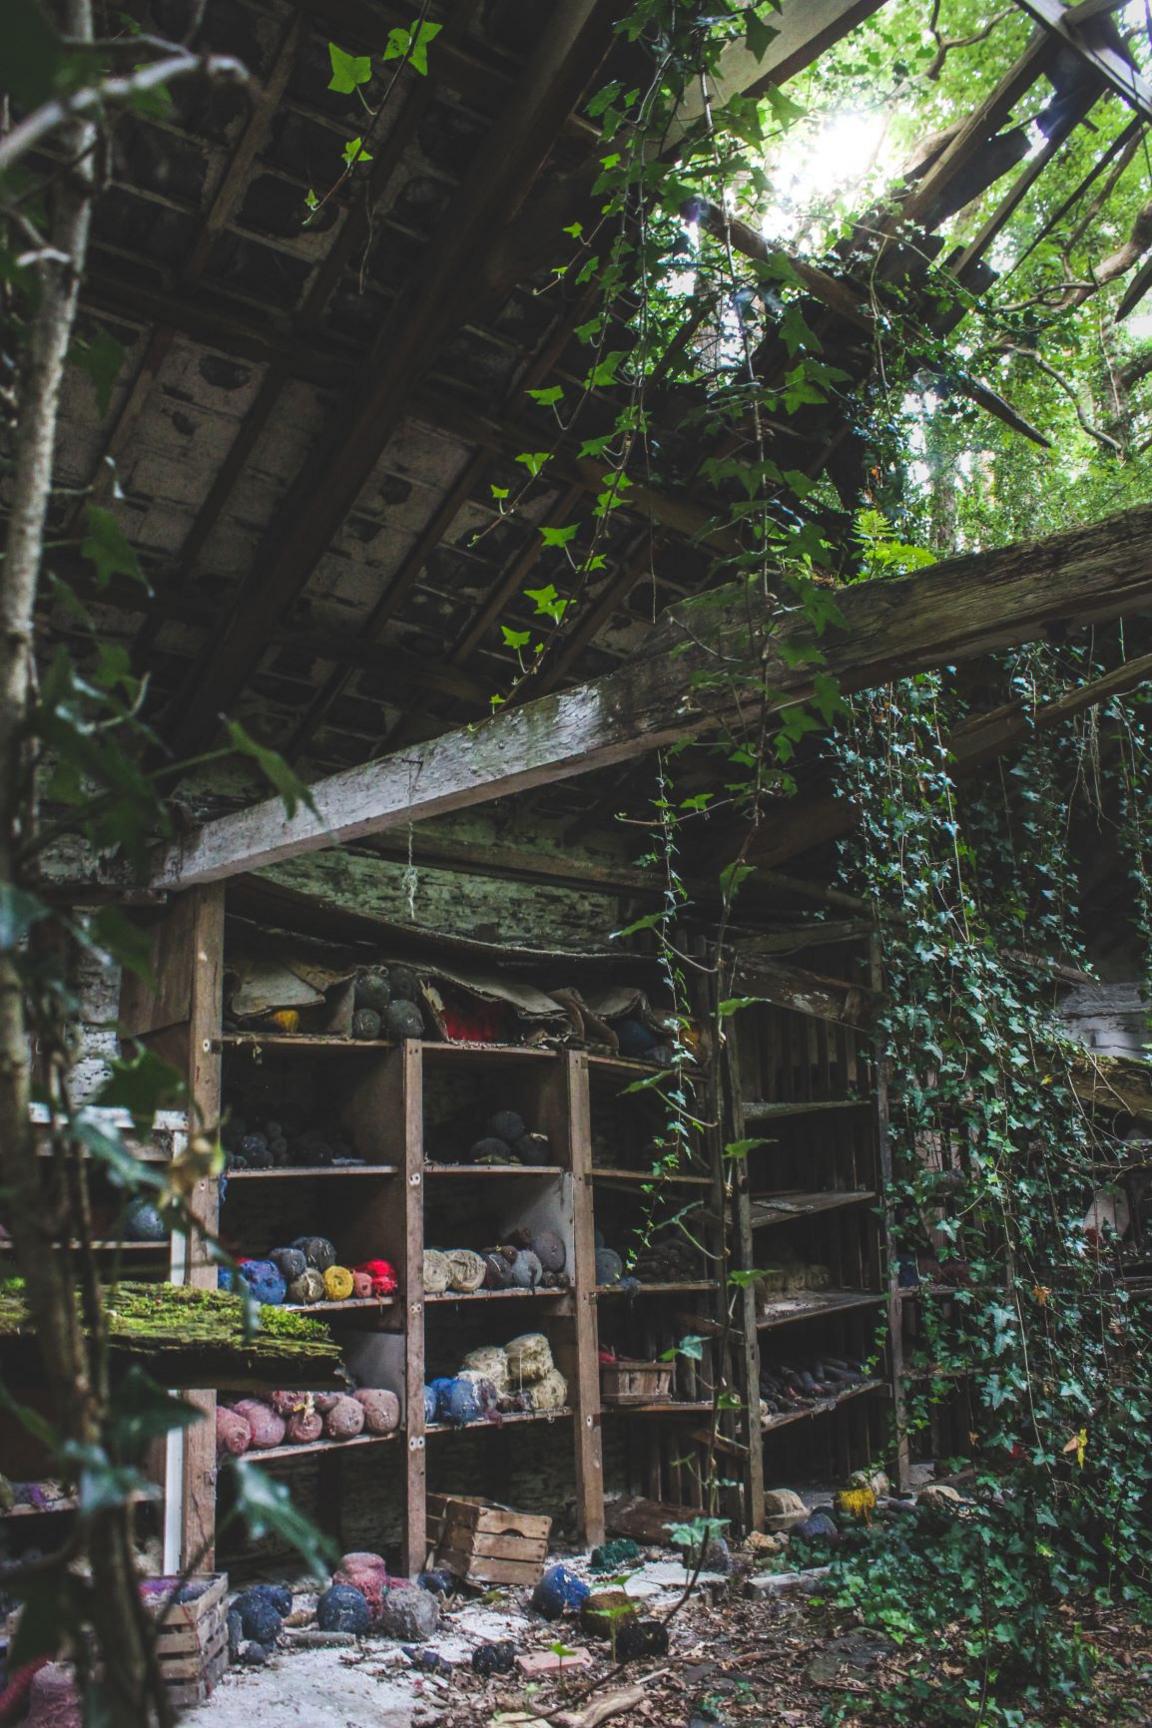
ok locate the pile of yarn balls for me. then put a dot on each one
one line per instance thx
(361, 1598)
(301, 1418)
(386, 1004)
(506, 1139)
(517, 1378)
(265, 1144)
(307, 1272)
(528, 1260)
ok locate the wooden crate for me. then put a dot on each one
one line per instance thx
(627, 1382)
(486, 1543)
(192, 1643)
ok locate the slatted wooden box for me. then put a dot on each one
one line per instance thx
(192, 1643)
(633, 1382)
(485, 1543)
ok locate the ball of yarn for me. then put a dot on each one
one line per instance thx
(233, 1435)
(342, 1608)
(286, 1020)
(235, 1632)
(250, 1654)
(143, 1223)
(609, 1266)
(487, 1396)
(497, 1269)
(526, 1270)
(491, 1361)
(529, 1358)
(438, 1580)
(402, 1019)
(223, 1277)
(381, 1409)
(382, 1274)
(490, 1659)
(637, 1640)
(442, 1386)
(345, 1420)
(258, 1618)
(337, 1283)
(366, 1023)
(278, 1595)
(307, 1289)
(559, 1592)
(285, 1402)
(430, 1403)
(550, 1392)
(289, 1262)
(368, 1573)
(613, 1555)
(264, 1281)
(267, 1428)
(636, 1040)
(548, 1247)
(317, 1250)
(304, 1426)
(253, 1153)
(465, 1270)
(325, 1401)
(405, 982)
(506, 1125)
(437, 1272)
(532, 1149)
(361, 1286)
(819, 1529)
(374, 989)
(409, 1614)
(489, 1150)
(462, 1403)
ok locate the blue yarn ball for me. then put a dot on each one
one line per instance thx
(609, 1266)
(462, 1403)
(430, 1402)
(637, 1041)
(443, 1390)
(259, 1620)
(223, 1277)
(817, 1527)
(262, 1278)
(143, 1223)
(559, 1592)
(278, 1595)
(438, 1582)
(342, 1608)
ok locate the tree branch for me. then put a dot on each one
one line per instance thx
(1069, 390)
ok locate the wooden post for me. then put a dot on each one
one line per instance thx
(895, 1302)
(747, 1353)
(585, 1390)
(412, 1286)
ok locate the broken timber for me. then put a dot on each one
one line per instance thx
(703, 671)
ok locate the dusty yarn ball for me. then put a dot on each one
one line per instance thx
(284, 1402)
(529, 1358)
(317, 1250)
(342, 1608)
(382, 1274)
(307, 1289)
(409, 1614)
(526, 1270)
(366, 1023)
(361, 1286)
(374, 989)
(264, 1281)
(233, 1433)
(304, 1426)
(338, 1283)
(548, 1247)
(325, 1401)
(381, 1409)
(491, 1360)
(550, 1392)
(267, 1428)
(609, 1266)
(402, 1019)
(366, 1572)
(465, 1270)
(437, 1272)
(506, 1125)
(289, 1262)
(497, 1269)
(489, 1150)
(533, 1149)
(345, 1420)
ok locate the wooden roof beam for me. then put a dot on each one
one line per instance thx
(1081, 29)
(960, 608)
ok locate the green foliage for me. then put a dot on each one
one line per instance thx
(349, 71)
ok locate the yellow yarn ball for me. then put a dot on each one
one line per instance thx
(286, 1020)
(338, 1284)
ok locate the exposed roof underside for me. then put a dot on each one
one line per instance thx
(310, 419)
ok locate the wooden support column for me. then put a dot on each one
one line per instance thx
(895, 1302)
(585, 1389)
(747, 1351)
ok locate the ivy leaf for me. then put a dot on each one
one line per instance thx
(784, 109)
(733, 1004)
(534, 460)
(412, 42)
(354, 152)
(549, 603)
(741, 1148)
(560, 536)
(500, 491)
(349, 71)
(19, 910)
(691, 1345)
(142, 1084)
(733, 876)
(515, 638)
(758, 34)
(650, 921)
(548, 398)
(144, 1411)
(107, 547)
(604, 372)
(286, 781)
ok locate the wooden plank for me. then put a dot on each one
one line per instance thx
(585, 1393)
(894, 1305)
(747, 1345)
(1072, 25)
(408, 1068)
(959, 608)
(803, 992)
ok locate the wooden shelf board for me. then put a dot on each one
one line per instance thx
(600, 1174)
(771, 1209)
(823, 1407)
(309, 1171)
(298, 1041)
(658, 1289)
(500, 1422)
(670, 1407)
(626, 1066)
(270, 1454)
(493, 1295)
(812, 1304)
(493, 1170)
(336, 1307)
(767, 1110)
(124, 1247)
(519, 1052)
(23, 1511)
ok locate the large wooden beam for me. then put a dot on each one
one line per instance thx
(804, 823)
(701, 673)
(1083, 29)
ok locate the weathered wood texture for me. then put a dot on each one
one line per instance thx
(960, 608)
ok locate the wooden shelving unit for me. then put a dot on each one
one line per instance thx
(800, 1075)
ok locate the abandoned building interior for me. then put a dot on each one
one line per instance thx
(561, 1172)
